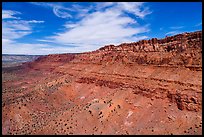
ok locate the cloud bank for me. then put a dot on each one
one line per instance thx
(85, 28)
(108, 23)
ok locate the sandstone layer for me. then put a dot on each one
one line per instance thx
(146, 87)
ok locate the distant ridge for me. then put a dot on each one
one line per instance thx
(18, 58)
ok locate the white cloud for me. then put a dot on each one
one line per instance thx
(14, 47)
(70, 25)
(57, 7)
(36, 21)
(81, 11)
(136, 8)
(46, 4)
(14, 29)
(6, 41)
(9, 14)
(58, 11)
(173, 32)
(199, 24)
(106, 24)
(99, 28)
(177, 27)
(43, 40)
(103, 5)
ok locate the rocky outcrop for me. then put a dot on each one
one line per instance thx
(178, 43)
(182, 49)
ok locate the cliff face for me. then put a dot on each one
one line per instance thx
(146, 87)
(179, 50)
(183, 50)
(178, 43)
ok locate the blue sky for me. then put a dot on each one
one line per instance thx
(41, 28)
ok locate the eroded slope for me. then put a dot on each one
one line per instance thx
(114, 90)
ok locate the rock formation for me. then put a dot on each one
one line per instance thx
(146, 87)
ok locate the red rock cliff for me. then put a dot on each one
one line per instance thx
(182, 49)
